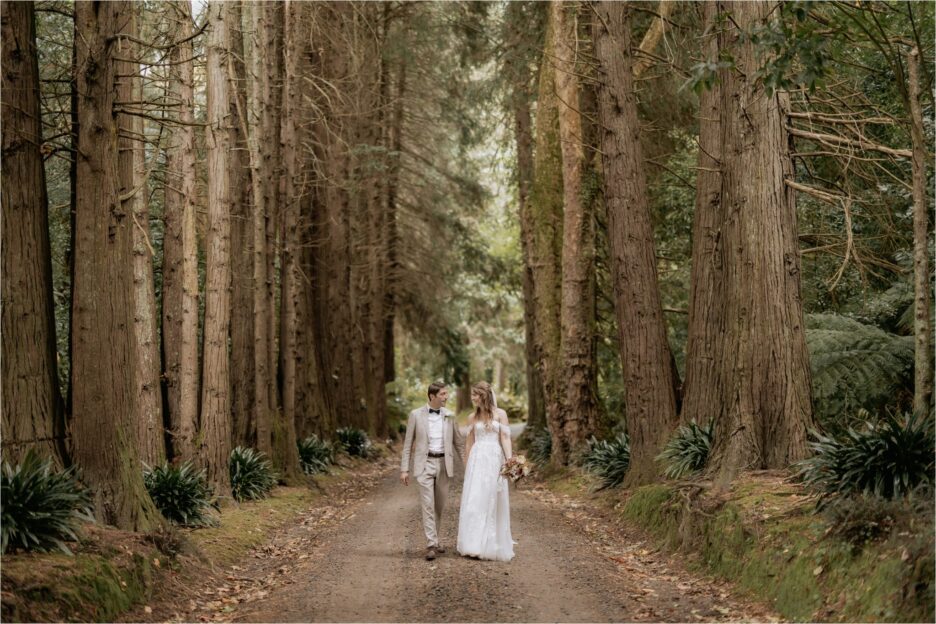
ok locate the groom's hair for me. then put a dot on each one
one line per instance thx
(435, 386)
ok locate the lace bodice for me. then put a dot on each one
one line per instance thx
(487, 433)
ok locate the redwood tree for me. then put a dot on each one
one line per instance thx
(650, 379)
(32, 405)
(103, 357)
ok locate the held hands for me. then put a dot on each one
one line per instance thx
(404, 478)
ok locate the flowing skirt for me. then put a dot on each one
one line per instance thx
(484, 517)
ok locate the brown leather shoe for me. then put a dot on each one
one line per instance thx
(430, 553)
(440, 549)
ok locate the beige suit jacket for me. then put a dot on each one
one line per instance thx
(416, 442)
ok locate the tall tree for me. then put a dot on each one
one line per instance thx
(32, 406)
(104, 363)
(180, 245)
(545, 234)
(766, 411)
(923, 331)
(579, 416)
(703, 387)
(519, 72)
(215, 425)
(650, 379)
(132, 175)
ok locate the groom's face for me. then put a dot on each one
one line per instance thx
(440, 398)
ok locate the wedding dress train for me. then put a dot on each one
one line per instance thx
(484, 517)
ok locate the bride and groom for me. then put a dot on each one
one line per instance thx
(432, 438)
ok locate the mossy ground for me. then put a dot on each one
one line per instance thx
(113, 570)
(764, 536)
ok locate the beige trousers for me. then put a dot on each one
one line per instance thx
(433, 490)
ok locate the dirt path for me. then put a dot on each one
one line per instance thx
(363, 561)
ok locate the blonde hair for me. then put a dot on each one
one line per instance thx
(484, 412)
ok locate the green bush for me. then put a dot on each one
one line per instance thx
(315, 454)
(609, 459)
(41, 506)
(885, 459)
(354, 442)
(252, 476)
(688, 450)
(181, 493)
(856, 366)
(540, 445)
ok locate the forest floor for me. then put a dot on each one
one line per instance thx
(358, 555)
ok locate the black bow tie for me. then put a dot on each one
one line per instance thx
(434, 411)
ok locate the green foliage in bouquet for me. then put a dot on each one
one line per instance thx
(885, 459)
(181, 493)
(688, 450)
(315, 454)
(41, 506)
(354, 442)
(608, 459)
(252, 476)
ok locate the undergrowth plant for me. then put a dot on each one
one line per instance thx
(41, 506)
(252, 475)
(608, 459)
(315, 454)
(688, 450)
(355, 442)
(181, 493)
(539, 445)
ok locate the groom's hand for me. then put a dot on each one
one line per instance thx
(404, 478)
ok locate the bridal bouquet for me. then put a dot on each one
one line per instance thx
(516, 468)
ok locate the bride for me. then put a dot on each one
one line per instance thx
(484, 518)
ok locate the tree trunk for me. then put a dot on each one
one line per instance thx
(215, 427)
(545, 234)
(392, 238)
(132, 175)
(242, 240)
(703, 385)
(523, 135)
(286, 458)
(649, 377)
(32, 406)
(763, 420)
(104, 364)
(580, 415)
(180, 249)
(923, 361)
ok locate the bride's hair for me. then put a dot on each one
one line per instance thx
(484, 412)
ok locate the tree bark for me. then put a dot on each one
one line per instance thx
(703, 388)
(33, 415)
(923, 332)
(180, 248)
(649, 378)
(580, 415)
(545, 234)
(104, 363)
(215, 427)
(286, 459)
(242, 241)
(764, 368)
(132, 175)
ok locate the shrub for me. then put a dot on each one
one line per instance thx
(354, 442)
(41, 506)
(315, 454)
(688, 450)
(864, 518)
(181, 493)
(608, 459)
(540, 445)
(885, 459)
(856, 366)
(252, 476)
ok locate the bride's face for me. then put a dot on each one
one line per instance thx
(475, 399)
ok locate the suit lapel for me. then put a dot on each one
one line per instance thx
(424, 424)
(447, 430)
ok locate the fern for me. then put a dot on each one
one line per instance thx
(856, 366)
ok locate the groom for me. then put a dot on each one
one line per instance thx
(431, 434)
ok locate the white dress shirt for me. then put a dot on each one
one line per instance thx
(436, 428)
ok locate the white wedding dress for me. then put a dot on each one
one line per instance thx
(484, 518)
